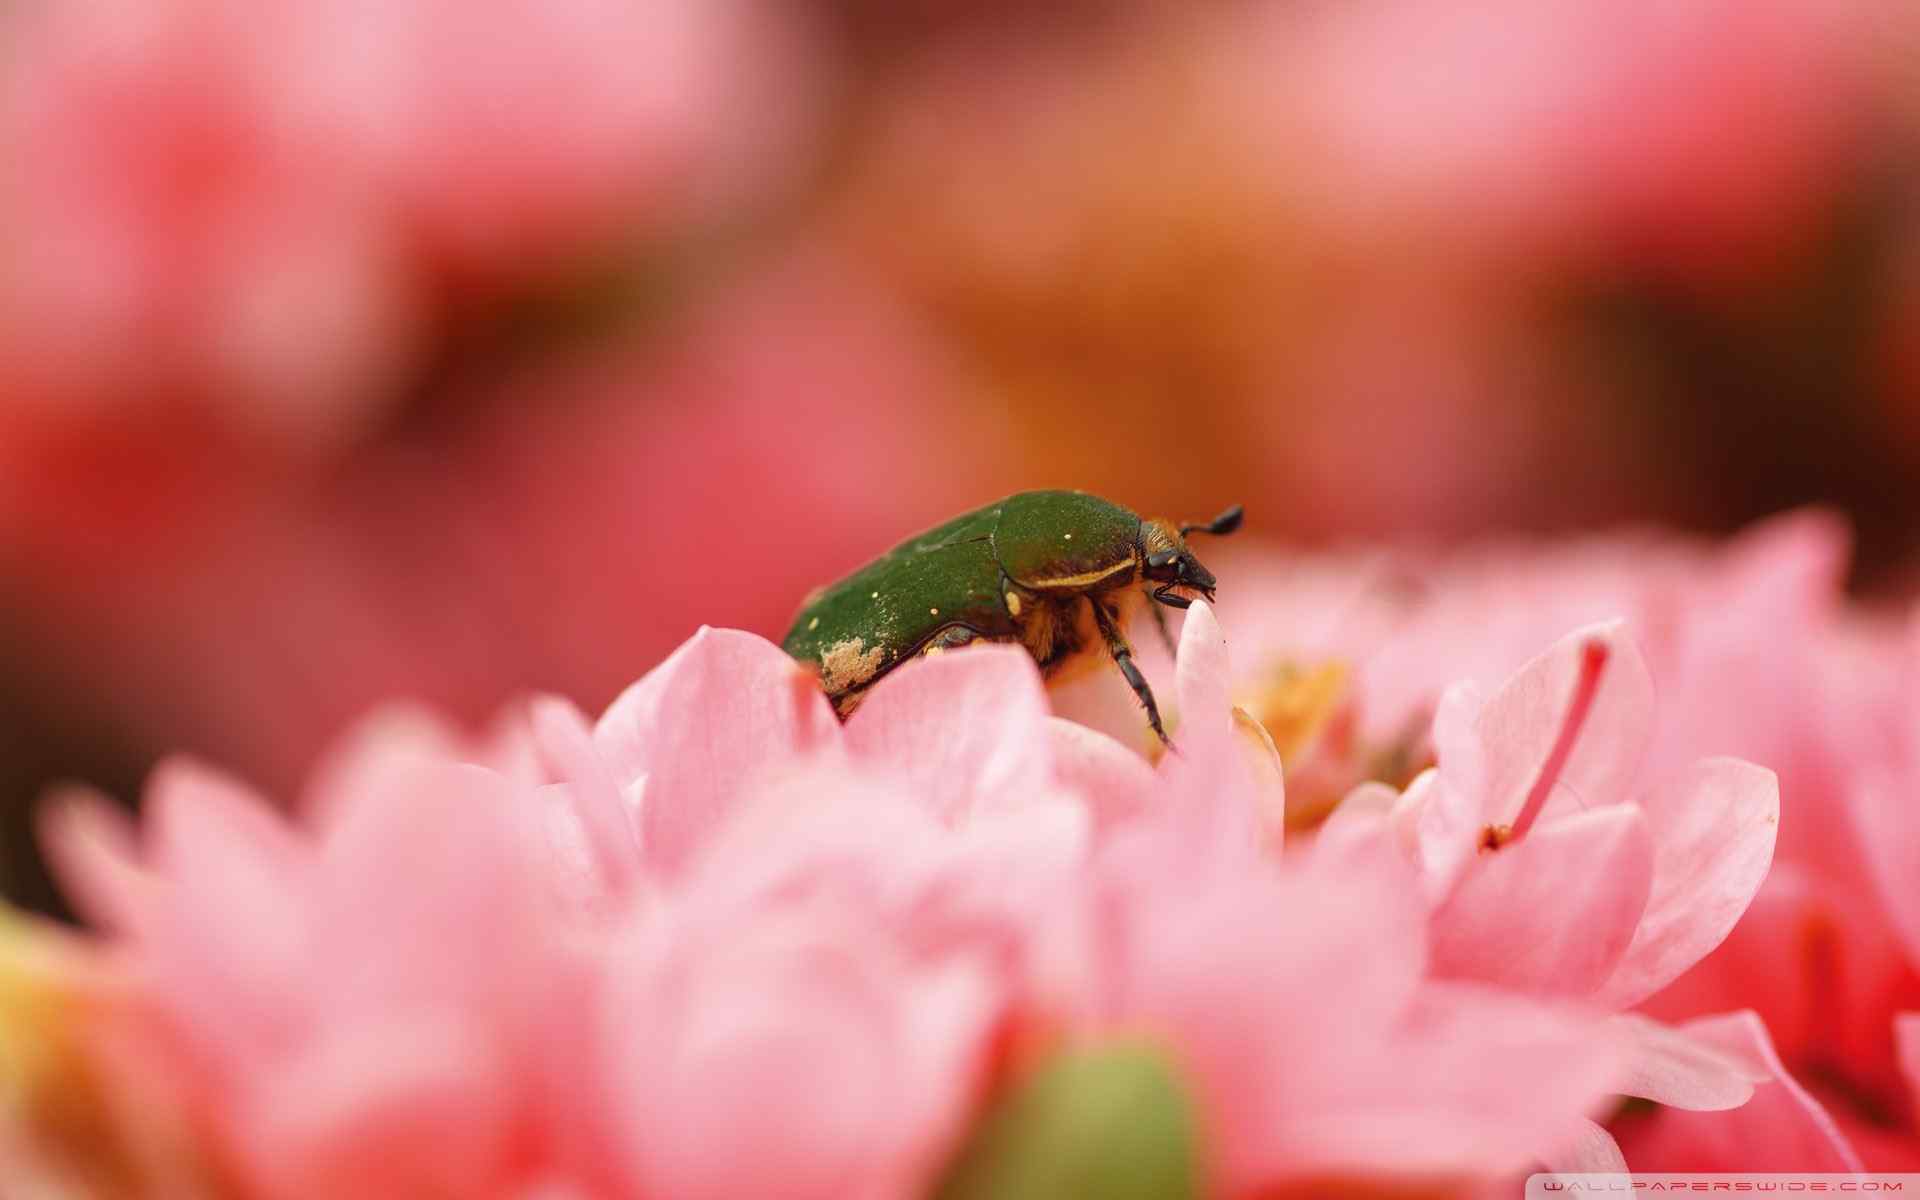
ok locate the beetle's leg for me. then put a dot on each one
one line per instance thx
(1166, 635)
(1171, 598)
(1123, 658)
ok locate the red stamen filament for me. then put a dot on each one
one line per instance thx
(1593, 662)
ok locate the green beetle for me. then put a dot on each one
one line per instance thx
(1054, 571)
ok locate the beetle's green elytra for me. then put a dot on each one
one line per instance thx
(1053, 571)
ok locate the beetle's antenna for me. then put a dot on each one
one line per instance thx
(1221, 525)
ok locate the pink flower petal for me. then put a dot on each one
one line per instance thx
(1370, 797)
(231, 936)
(1443, 810)
(723, 707)
(1551, 912)
(854, 1063)
(399, 736)
(353, 1115)
(1782, 1128)
(91, 844)
(205, 826)
(409, 864)
(1202, 672)
(1188, 960)
(1468, 1053)
(1360, 826)
(1885, 808)
(1906, 1042)
(1713, 829)
(1667, 1066)
(1116, 783)
(1366, 835)
(575, 878)
(565, 739)
(1266, 779)
(814, 830)
(1587, 1150)
(1221, 787)
(1523, 722)
(819, 838)
(965, 730)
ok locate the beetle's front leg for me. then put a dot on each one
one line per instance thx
(1123, 658)
(1172, 599)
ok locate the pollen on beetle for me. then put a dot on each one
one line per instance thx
(813, 624)
(876, 595)
(849, 664)
(1013, 603)
(1069, 537)
(933, 612)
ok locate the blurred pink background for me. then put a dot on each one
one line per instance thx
(352, 351)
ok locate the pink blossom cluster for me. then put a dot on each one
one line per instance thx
(718, 944)
(1753, 650)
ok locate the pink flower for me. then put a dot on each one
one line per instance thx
(1536, 814)
(972, 736)
(1368, 1072)
(811, 1013)
(720, 944)
(1751, 653)
(1552, 871)
(1394, 627)
(332, 1003)
(1319, 1049)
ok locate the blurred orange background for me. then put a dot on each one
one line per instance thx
(354, 351)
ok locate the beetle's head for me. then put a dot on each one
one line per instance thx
(1172, 565)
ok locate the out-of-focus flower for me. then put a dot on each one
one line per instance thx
(1680, 136)
(312, 317)
(1426, 235)
(732, 946)
(1888, 814)
(1824, 953)
(73, 1121)
(613, 483)
(1782, 1128)
(242, 228)
(324, 1020)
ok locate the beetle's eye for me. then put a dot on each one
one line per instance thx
(1162, 560)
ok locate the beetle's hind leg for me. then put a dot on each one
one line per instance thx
(1123, 658)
